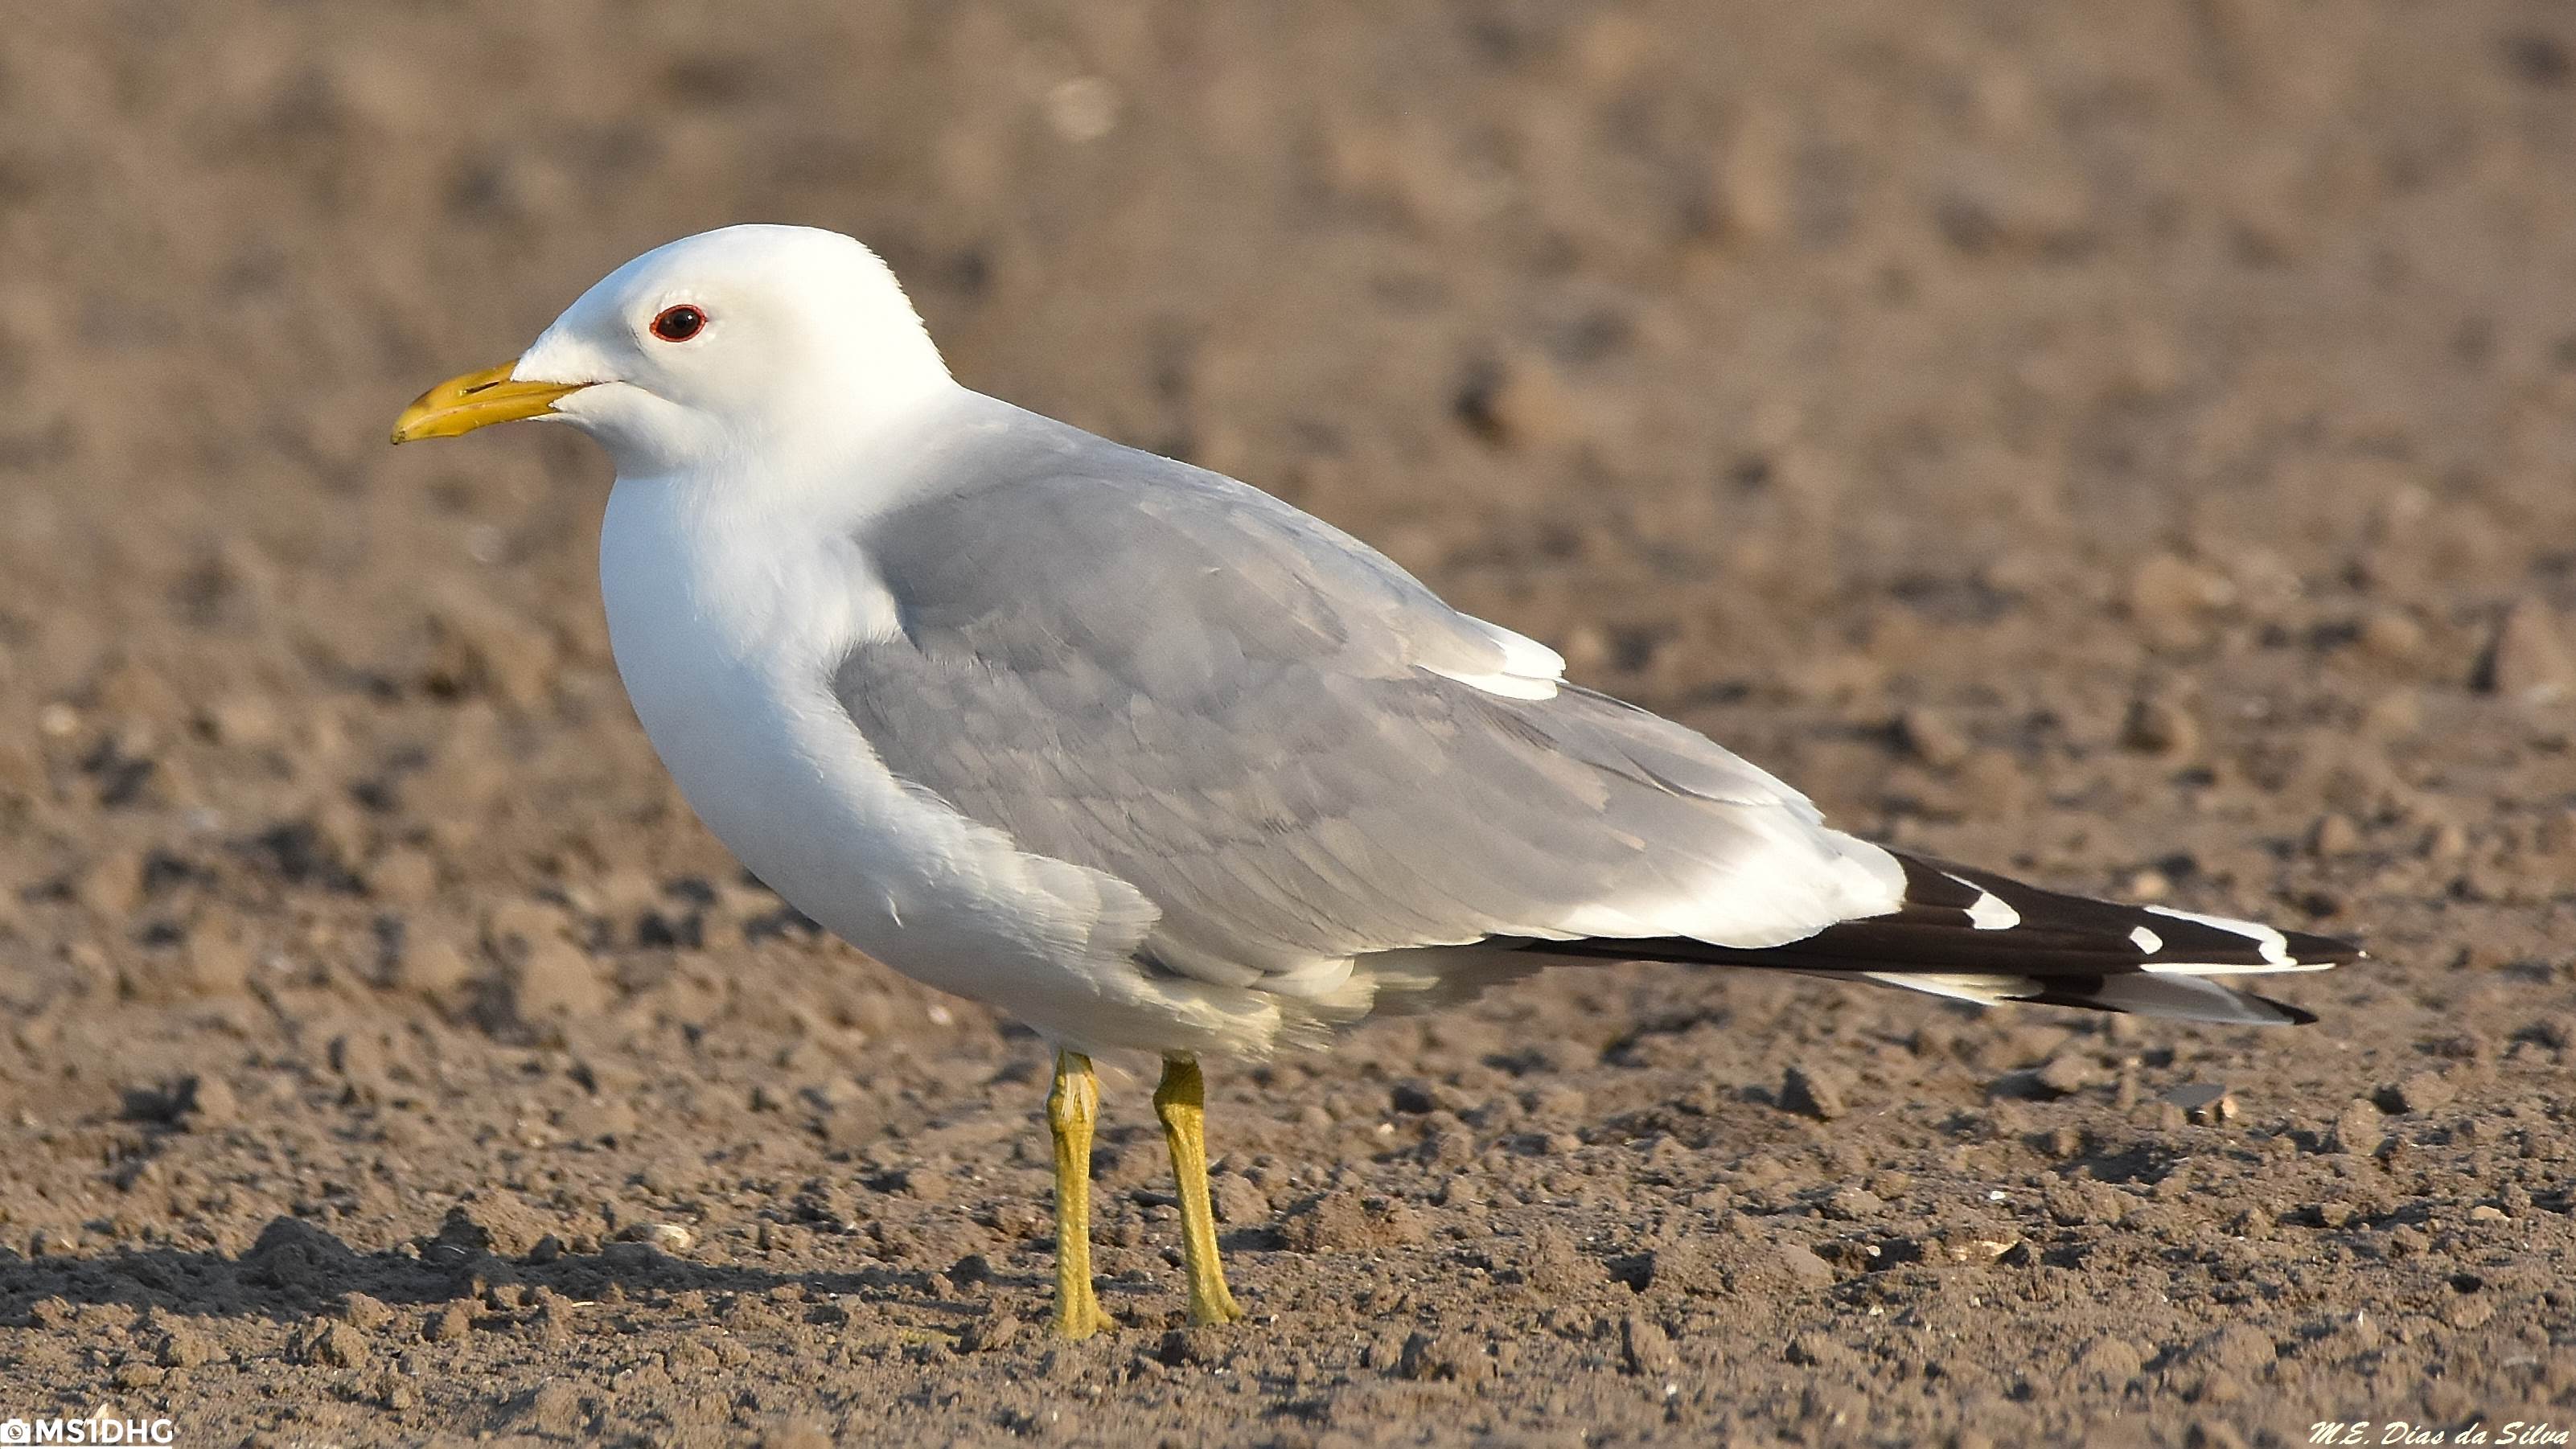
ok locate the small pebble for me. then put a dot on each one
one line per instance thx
(1851, 1204)
(2357, 1129)
(2391, 635)
(2333, 835)
(2160, 727)
(2064, 1075)
(669, 1237)
(2418, 1092)
(2169, 597)
(1930, 737)
(447, 1324)
(1645, 1348)
(2205, 1103)
(1816, 1091)
(2524, 659)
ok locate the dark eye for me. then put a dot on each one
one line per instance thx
(678, 324)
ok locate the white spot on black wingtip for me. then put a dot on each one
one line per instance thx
(2274, 946)
(2147, 942)
(1991, 913)
(1988, 912)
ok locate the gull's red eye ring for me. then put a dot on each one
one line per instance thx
(678, 324)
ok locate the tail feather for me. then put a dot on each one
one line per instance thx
(1978, 936)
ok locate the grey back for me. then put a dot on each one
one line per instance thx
(1157, 672)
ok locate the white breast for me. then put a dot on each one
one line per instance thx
(726, 630)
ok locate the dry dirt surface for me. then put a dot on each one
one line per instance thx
(2128, 444)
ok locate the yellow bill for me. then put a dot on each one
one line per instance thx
(476, 400)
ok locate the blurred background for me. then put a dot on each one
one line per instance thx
(2133, 444)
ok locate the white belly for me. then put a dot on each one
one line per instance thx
(727, 641)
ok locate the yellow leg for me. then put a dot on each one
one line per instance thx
(1072, 1108)
(1181, 1101)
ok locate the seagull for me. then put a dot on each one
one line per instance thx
(1154, 762)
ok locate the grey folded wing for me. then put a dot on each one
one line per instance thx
(1268, 730)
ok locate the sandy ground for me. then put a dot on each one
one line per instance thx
(2133, 445)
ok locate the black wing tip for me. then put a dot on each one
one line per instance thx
(2064, 950)
(2312, 950)
(2296, 1015)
